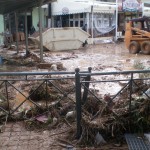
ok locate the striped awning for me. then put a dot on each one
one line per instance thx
(64, 7)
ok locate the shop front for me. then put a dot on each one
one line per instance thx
(127, 10)
(97, 18)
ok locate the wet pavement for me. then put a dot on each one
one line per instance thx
(16, 137)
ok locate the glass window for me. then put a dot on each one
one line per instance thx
(106, 23)
(71, 16)
(81, 15)
(76, 16)
(71, 23)
(99, 23)
(105, 15)
(81, 23)
(76, 23)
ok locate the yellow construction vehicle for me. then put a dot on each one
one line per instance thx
(137, 35)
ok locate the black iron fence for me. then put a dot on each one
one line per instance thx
(8, 80)
(128, 78)
(81, 87)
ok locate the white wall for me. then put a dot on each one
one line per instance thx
(35, 18)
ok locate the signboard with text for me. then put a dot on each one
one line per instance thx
(132, 5)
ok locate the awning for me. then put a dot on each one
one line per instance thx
(68, 7)
(63, 7)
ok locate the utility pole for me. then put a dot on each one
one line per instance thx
(40, 30)
(116, 37)
(92, 23)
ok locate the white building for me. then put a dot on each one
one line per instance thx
(87, 14)
(146, 8)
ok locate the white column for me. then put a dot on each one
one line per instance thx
(88, 21)
(92, 24)
(116, 20)
(26, 33)
(16, 24)
(40, 32)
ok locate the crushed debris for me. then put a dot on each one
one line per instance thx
(103, 121)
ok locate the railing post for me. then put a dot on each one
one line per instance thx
(130, 97)
(6, 90)
(46, 95)
(86, 88)
(78, 102)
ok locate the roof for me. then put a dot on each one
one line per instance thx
(7, 6)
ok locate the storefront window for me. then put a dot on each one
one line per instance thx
(81, 23)
(76, 16)
(71, 16)
(81, 15)
(76, 23)
(71, 23)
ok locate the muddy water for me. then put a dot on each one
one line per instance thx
(103, 58)
(100, 56)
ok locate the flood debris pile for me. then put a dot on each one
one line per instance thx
(55, 104)
(111, 119)
(41, 105)
(47, 105)
(30, 61)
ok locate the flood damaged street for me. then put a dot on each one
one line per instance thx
(75, 75)
(43, 106)
(101, 57)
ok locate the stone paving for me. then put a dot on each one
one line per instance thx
(16, 137)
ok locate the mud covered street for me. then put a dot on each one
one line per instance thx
(101, 57)
(56, 128)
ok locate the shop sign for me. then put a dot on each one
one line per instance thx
(65, 10)
(132, 5)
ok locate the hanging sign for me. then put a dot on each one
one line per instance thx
(132, 5)
(65, 10)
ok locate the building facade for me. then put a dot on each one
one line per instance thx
(97, 18)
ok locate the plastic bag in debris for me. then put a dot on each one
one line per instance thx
(147, 95)
(147, 135)
(99, 139)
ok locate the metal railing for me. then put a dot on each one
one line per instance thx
(44, 77)
(128, 77)
(81, 88)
